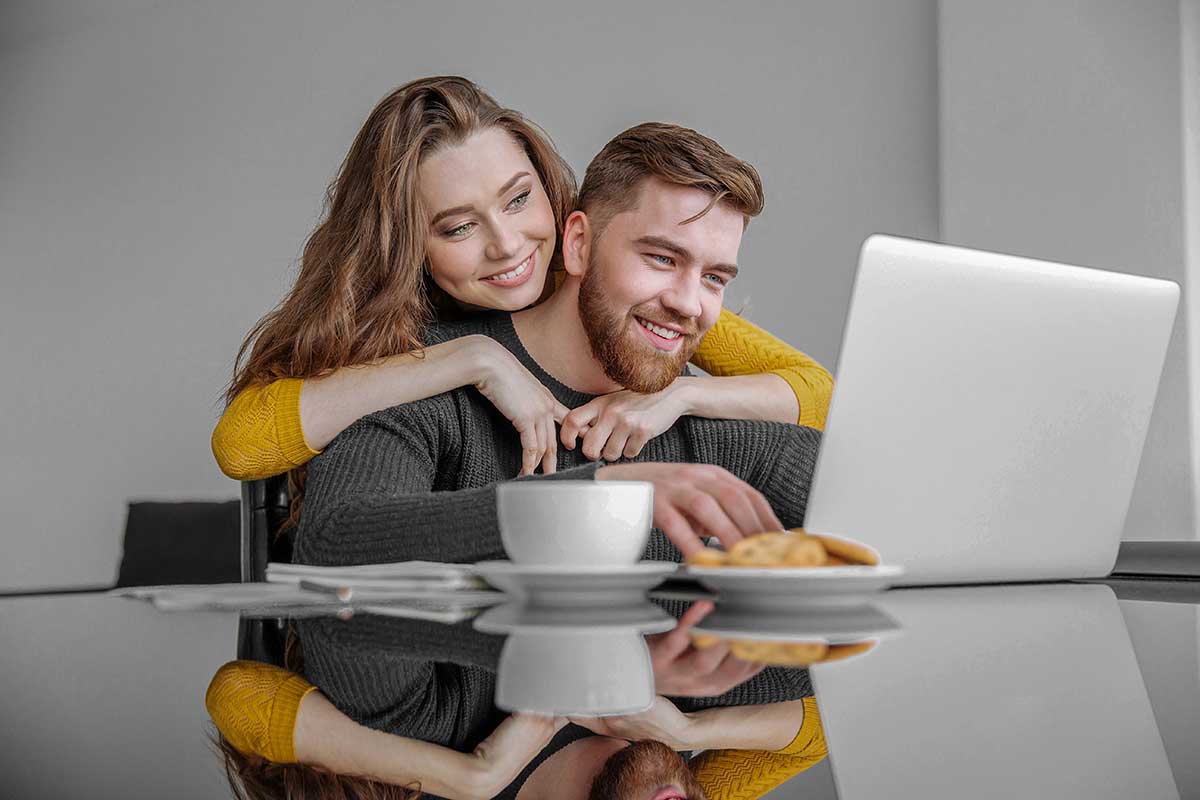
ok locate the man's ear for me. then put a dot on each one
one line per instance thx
(577, 243)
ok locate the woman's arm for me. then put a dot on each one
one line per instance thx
(328, 738)
(798, 391)
(270, 429)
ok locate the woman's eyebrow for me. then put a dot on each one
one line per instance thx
(450, 212)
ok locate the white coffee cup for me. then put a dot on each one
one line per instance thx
(576, 673)
(602, 523)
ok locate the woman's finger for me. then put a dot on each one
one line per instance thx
(576, 422)
(560, 411)
(550, 457)
(615, 446)
(597, 437)
(530, 452)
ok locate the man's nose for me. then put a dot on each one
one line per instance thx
(503, 243)
(683, 297)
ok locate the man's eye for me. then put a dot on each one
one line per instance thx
(520, 200)
(718, 280)
(664, 260)
(461, 230)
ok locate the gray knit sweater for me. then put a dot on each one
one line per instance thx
(418, 481)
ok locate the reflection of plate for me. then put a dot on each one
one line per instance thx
(775, 586)
(518, 618)
(832, 624)
(575, 585)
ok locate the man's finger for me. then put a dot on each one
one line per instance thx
(670, 644)
(677, 528)
(766, 514)
(707, 515)
(739, 505)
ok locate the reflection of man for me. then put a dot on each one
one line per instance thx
(647, 256)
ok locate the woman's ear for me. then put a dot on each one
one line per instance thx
(576, 244)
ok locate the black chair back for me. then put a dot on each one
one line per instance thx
(265, 507)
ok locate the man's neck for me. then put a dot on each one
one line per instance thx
(554, 335)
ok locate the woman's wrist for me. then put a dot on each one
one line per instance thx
(686, 392)
(478, 355)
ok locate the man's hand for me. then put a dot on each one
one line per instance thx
(694, 500)
(682, 670)
(663, 722)
(620, 424)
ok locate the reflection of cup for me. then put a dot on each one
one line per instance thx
(576, 673)
(575, 522)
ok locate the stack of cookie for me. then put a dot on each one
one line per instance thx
(795, 548)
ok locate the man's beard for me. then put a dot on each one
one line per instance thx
(638, 771)
(634, 365)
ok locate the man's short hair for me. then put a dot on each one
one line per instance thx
(673, 154)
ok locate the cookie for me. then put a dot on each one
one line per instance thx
(703, 641)
(849, 551)
(708, 557)
(804, 551)
(761, 550)
(839, 651)
(779, 654)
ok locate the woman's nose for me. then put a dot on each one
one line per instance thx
(504, 243)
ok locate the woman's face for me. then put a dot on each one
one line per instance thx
(492, 232)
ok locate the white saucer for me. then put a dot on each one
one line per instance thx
(514, 617)
(791, 586)
(833, 624)
(575, 585)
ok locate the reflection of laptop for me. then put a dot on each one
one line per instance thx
(989, 412)
(995, 692)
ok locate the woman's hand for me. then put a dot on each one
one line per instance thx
(502, 755)
(620, 424)
(663, 722)
(520, 397)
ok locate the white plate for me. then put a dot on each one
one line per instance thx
(519, 618)
(833, 624)
(575, 585)
(776, 586)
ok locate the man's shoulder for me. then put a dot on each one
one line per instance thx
(751, 431)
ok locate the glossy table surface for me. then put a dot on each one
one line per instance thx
(1034, 690)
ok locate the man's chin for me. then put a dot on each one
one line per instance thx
(641, 367)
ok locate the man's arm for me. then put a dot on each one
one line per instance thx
(369, 496)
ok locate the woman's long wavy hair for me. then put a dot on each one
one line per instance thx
(364, 291)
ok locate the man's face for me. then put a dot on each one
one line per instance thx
(654, 287)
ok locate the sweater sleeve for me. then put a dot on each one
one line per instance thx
(750, 774)
(737, 347)
(259, 434)
(370, 496)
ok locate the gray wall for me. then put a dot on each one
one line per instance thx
(1061, 138)
(162, 162)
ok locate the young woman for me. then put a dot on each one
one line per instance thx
(389, 259)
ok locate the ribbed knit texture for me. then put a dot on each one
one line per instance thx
(260, 435)
(736, 347)
(418, 481)
(749, 774)
(254, 706)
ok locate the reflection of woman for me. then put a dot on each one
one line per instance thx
(345, 341)
(434, 684)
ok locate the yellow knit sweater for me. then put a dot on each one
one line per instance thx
(260, 433)
(254, 705)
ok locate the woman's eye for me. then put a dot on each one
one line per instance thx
(461, 230)
(520, 200)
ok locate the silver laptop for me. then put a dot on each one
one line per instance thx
(989, 412)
